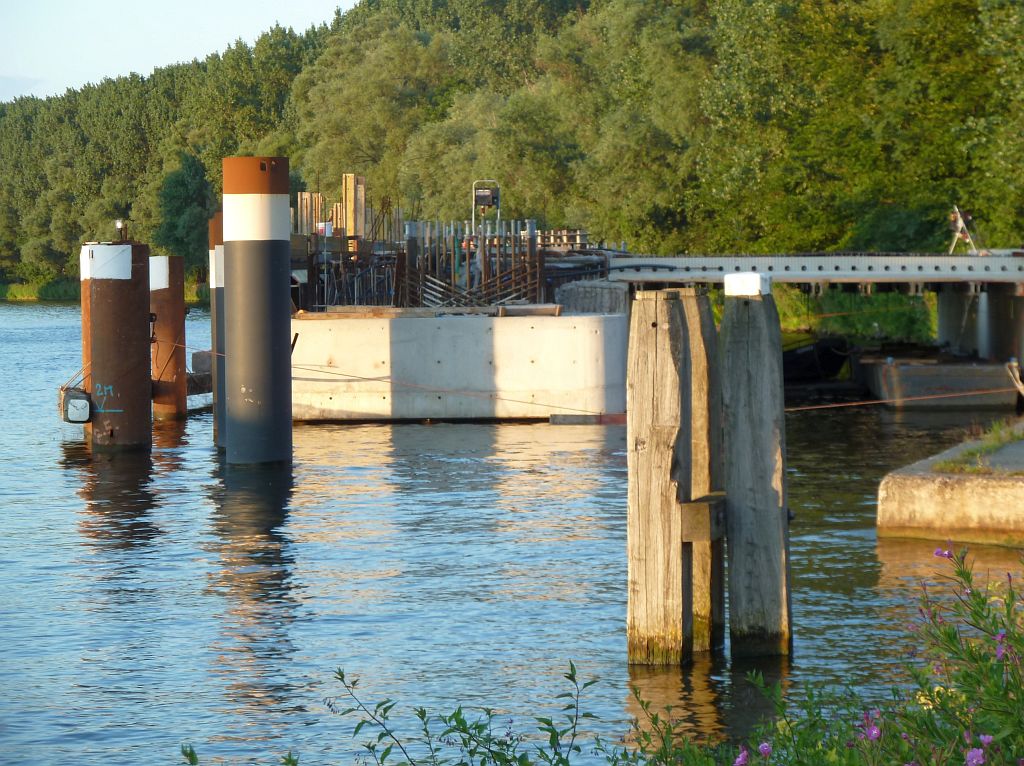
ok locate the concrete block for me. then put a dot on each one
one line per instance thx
(917, 502)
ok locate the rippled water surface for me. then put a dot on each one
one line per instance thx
(148, 601)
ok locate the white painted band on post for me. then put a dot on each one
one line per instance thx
(748, 284)
(257, 218)
(217, 267)
(159, 272)
(105, 262)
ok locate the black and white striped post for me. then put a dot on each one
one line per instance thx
(257, 310)
(217, 328)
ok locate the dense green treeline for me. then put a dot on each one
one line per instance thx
(676, 125)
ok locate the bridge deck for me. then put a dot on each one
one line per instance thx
(1006, 266)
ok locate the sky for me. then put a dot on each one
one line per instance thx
(52, 45)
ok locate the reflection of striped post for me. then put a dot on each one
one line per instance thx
(167, 304)
(217, 327)
(115, 345)
(257, 310)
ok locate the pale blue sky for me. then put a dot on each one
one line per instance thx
(51, 45)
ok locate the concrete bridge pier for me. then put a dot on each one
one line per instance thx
(1005, 307)
(983, 320)
(958, 308)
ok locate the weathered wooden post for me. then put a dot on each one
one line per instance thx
(115, 345)
(704, 513)
(658, 456)
(167, 305)
(755, 469)
(217, 375)
(257, 307)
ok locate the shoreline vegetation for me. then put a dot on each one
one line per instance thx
(686, 127)
(69, 291)
(889, 316)
(961, 705)
(974, 459)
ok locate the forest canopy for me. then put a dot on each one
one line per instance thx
(678, 126)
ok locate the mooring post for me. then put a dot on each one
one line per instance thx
(658, 457)
(257, 308)
(217, 375)
(115, 345)
(167, 305)
(755, 469)
(704, 508)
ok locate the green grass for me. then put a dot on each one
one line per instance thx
(69, 290)
(892, 316)
(56, 290)
(972, 460)
(889, 316)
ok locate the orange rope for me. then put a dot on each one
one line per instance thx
(979, 392)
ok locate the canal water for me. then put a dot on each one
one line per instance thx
(150, 601)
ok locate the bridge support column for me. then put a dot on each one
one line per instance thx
(1005, 322)
(958, 317)
(987, 321)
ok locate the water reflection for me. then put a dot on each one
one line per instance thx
(170, 440)
(906, 564)
(710, 699)
(118, 492)
(254, 577)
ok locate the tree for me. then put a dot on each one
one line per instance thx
(185, 209)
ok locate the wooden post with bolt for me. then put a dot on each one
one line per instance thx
(658, 456)
(755, 469)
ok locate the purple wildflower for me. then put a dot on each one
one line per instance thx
(975, 757)
(943, 554)
(743, 757)
(986, 739)
(1000, 646)
(873, 732)
(765, 749)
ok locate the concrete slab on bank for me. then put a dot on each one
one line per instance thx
(918, 502)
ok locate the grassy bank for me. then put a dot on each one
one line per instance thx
(892, 316)
(974, 459)
(69, 290)
(65, 290)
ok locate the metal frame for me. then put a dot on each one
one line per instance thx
(1005, 266)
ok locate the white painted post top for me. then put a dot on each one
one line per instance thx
(159, 272)
(748, 284)
(105, 261)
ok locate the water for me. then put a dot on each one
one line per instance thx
(149, 601)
